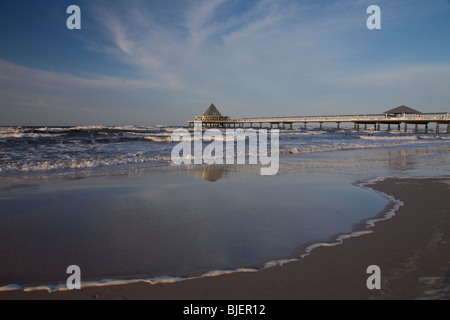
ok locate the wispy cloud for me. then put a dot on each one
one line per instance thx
(199, 23)
(300, 56)
(211, 46)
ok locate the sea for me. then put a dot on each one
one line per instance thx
(110, 200)
(47, 151)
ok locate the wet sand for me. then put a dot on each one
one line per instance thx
(412, 250)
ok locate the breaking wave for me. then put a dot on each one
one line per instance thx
(43, 149)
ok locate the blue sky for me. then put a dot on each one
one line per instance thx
(137, 62)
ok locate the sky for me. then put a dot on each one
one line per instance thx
(137, 62)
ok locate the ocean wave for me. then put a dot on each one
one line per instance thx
(28, 149)
(360, 142)
(393, 138)
(37, 132)
(66, 164)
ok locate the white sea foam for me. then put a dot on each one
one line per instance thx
(115, 282)
(369, 224)
(30, 149)
(70, 164)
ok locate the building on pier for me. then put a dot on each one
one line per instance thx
(401, 111)
(211, 114)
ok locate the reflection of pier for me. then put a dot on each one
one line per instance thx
(211, 173)
(393, 119)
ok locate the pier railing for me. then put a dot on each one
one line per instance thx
(432, 117)
(367, 119)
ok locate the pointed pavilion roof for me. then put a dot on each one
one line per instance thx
(403, 109)
(212, 111)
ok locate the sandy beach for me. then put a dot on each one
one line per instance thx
(411, 249)
(201, 153)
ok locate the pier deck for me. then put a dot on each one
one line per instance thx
(376, 120)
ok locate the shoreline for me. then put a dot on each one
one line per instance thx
(411, 266)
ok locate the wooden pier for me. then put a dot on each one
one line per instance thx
(393, 120)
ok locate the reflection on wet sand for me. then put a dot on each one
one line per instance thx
(402, 160)
(211, 173)
(425, 162)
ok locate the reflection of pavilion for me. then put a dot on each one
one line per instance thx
(211, 172)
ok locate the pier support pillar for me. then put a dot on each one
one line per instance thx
(426, 127)
(271, 125)
(365, 126)
(338, 125)
(406, 127)
(378, 127)
(320, 125)
(399, 127)
(448, 128)
(304, 125)
(357, 127)
(290, 126)
(437, 127)
(416, 129)
(389, 127)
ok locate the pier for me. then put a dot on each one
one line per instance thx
(401, 119)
